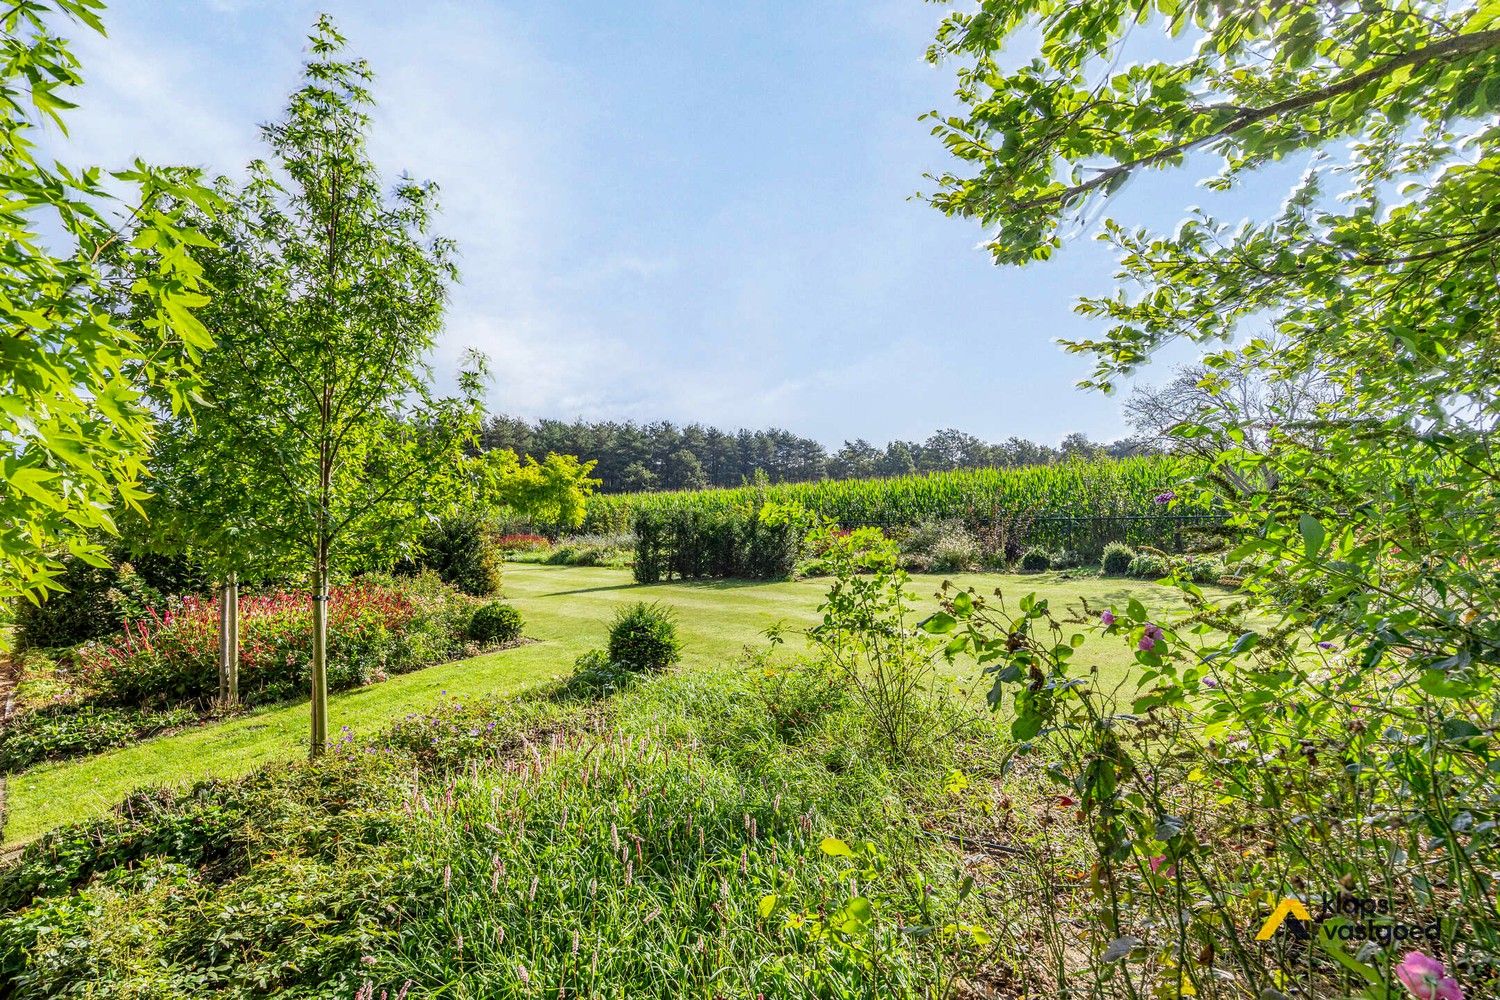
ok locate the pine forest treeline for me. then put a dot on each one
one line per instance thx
(635, 457)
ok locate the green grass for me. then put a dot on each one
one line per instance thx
(567, 608)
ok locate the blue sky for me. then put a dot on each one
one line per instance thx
(667, 210)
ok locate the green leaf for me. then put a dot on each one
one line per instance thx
(1312, 535)
(836, 848)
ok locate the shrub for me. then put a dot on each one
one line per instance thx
(947, 544)
(1116, 559)
(1067, 559)
(761, 541)
(95, 601)
(69, 730)
(589, 550)
(1148, 566)
(495, 622)
(954, 556)
(458, 548)
(595, 675)
(1036, 560)
(644, 637)
(374, 628)
(522, 542)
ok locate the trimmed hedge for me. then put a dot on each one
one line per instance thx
(762, 542)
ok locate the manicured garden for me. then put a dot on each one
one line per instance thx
(566, 609)
(320, 679)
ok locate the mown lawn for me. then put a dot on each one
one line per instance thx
(567, 608)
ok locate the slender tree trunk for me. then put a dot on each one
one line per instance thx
(232, 652)
(223, 641)
(320, 656)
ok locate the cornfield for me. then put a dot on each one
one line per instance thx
(1072, 504)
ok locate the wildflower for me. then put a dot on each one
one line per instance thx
(1156, 863)
(523, 975)
(1325, 645)
(1210, 682)
(1165, 497)
(1426, 979)
(1146, 644)
(1106, 618)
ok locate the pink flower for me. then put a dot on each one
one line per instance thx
(1156, 863)
(1426, 979)
(1107, 618)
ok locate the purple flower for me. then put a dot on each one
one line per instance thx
(1166, 497)
(1146, 643)
(1107, 618)
(1153, 632)
(1426, 979)
(1325, 645)
(1210, 682)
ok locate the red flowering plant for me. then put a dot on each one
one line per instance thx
(522, 543)
(170, 656)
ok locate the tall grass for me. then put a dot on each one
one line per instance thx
(1054, 501)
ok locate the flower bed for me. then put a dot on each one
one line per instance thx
(170, 657)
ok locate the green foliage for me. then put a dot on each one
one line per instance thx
(1077, 504)
(1341, 705)
(1036, 560)
(95, 601)
(551, 494)
(587, 550)
(58, 731)
(495, 622)
(513, 827)
(459, 549)
(330, 443)
(1116, 559)
(757, 541)
(643, 638)
(170, 657)
(1148, 566)
(75, 364)
(595, 675)
(868, 639)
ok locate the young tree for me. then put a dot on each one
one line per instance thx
(332, 292)
(73, 374)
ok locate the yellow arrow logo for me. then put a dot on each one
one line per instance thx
(1288, 907)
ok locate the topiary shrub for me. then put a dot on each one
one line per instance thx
(644, 637)
(495, 622)
(1036, 560)
(1116, 559)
